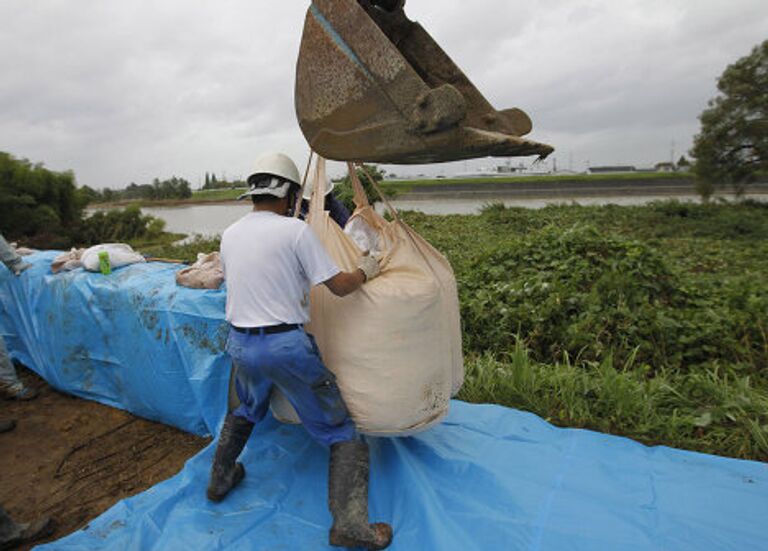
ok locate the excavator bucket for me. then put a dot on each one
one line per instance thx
(374, 86)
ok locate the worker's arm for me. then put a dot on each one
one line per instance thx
(345, 283)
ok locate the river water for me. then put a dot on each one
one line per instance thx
(213, 219)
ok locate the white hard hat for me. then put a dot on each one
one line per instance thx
(274, 174)
(309, 188)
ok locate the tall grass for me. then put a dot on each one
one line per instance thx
(711, 410)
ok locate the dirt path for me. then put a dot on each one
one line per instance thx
(72, 459)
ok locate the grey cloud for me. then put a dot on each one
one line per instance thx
(129, 91)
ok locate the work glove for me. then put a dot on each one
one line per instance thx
(19, 267)
(370, 266)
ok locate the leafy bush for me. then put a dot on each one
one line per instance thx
(34, 200)
(344, 192)
(577, 291)
(673, 285)
(186, 251)
(118, 226)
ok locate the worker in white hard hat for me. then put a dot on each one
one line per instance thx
(336, 209)
(271, 260)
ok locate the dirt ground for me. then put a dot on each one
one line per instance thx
(72, 459)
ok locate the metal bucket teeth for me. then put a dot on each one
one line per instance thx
(373, 86)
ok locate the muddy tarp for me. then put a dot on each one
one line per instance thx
(487, 478)
(132, 340)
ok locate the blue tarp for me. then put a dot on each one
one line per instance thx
(132, 340)
(488, 478)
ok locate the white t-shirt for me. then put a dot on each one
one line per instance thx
(270, 263)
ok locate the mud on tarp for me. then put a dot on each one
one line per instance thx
(132, 340)
(488, 478)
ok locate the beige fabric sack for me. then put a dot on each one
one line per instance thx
(394, 345)
(120, 254)
(206, 273)
(66, 262)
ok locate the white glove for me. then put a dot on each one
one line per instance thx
(370, 267)
(19, 267)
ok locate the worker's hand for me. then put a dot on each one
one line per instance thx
(20, 267)
(369, 266)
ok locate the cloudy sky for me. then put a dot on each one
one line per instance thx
(124, 92)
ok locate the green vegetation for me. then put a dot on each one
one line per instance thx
(186, 252)
(345, 193)
(36, 202)
(119, 226)
(732, 147)
(212, 182)
(648, 322)
(159, 190)
(711, 410)
(45, 209)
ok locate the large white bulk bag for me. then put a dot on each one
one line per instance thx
(394, 345)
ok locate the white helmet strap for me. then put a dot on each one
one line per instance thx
(270, 185)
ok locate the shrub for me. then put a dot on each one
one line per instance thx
(118, 225)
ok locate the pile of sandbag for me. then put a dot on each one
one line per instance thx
(119, 255)
(66, 262)
(394, 345)
(206, 273)
(22, 251)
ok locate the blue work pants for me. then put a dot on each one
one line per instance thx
(290, 361)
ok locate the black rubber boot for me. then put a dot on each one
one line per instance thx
(348, 499)
(13, 534)
(17, 391)
(225, 472)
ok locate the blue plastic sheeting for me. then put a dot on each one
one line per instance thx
(132, 340)
(488, 478)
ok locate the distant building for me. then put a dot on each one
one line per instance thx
(507, 169)
(665, 167)
(610, 169)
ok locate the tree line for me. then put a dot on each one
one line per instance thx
(212, 182)
(732, 147)
(158, 190)
(35, 201)
(46, 209)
